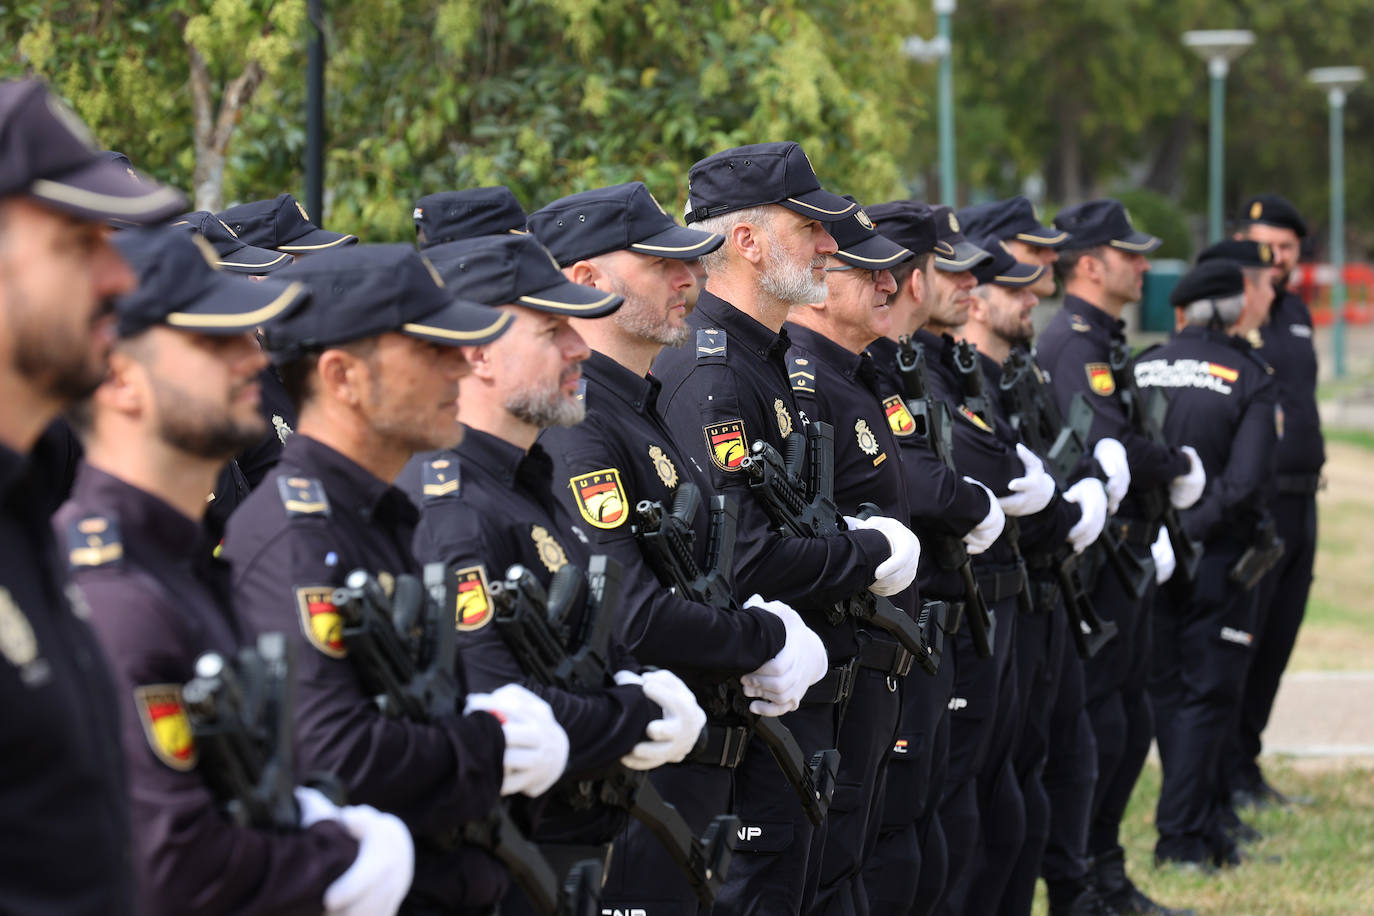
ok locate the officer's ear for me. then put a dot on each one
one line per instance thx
(749, 241)
(342, 376)
(583, 272)
(125, 389)
(479, 362)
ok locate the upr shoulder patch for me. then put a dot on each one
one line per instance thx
(973, 418)
(711, 343)
(94, 541)
(600, 498)
(320, 619)
(803, 377)
(899, 419)
(440, 478)
(302, 496)
(1100, 379)
(166, 725)
(727, 444)
(473, 602)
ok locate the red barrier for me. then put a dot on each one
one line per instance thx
(1312, 282)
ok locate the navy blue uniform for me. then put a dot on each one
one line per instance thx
(620, 454)
(1223, 401)
(1073, 350)
(158, 601)
(720, 394)
(315, 518)
(64, 819)
(834, 386)
(1286, 345)
(246, 471)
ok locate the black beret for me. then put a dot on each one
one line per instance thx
(1273, 210)
(1243, 251)
(1215, 279)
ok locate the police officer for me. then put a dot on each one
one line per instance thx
(63, 780)
(906, 871)
(730, 387)
(1102, 273)
(181, 397)
(504, 511)
(451, 216)
(1222, 398)
(836, 382)
(1256, 263)
(373, 362)
(282, 224)
(619, 240)
(1285, 342)
(1014, 223)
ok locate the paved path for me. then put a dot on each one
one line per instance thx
(1324, 715)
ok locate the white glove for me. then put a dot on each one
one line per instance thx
(380, 876)
(1163, 552)
(780, 682)
(1111, 454)
(536, 745)
(990, 528)
(1091, 497)
(672, 737)
(314, 807)
(1031, 493)
(896, 572)
(1187, 488)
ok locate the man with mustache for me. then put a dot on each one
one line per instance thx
(64, 821)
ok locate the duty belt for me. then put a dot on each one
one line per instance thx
(886, 656)
(998, 585)
(836, 686)
(1298, 484)
(1136, 532)
(720, 746)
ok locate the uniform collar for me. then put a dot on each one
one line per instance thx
(1086, 311)
(509, 463)
(883, 351)
(638, 391)
(12, 469)
(856, 366)
(741, 327)
(1213, 335)
(348, 483)
(145, 520)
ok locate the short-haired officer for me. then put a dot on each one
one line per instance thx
(181, 397)
(1286, 343)
(1102, 274)
(1222, 398)
(452, 216)
(907, 868)
(64, 820)
(490, 503)
(999, 321)
(1015, 222)
(619, 240)
(730, 387)
(373, 360)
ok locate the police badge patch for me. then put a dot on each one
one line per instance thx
(320, 620)
(473, 602)
(784, 418)
(600, 498)
(868, 443)
(663, 466)
(550, 551)
(165, 725)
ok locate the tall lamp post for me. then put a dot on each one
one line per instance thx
(937, 49)
(314, 112)
(1218, 47)
(1337, 81)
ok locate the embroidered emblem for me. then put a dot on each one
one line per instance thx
(974, 418)
(799, 371)
(953, 223)
(473, 610)
(868, 443)
(663, 465)
(1100, 379)
(302, 496)
(784, 418)
(901, 746)
(550, 551)
(440, 478)
(899, 419)
(283, 428)
(864, 221)
(600, 498)
(1078, 324)
(727, 444)
(165, 725)
(320, 619)
(93, 541)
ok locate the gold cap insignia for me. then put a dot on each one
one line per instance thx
(863, 219)
(1256, 210)
(953, 222)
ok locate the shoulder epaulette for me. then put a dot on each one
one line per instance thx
(302, 496)
(710, 343)
(94, 541)
(439, 478)
(1077, 323)
(800, 371)
(1259, 360)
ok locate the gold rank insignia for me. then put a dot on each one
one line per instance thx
(165, 724)
(474, 601)
(440, 478)
(1256, 210)
(550, 551)
(17, 642)
(600, 498)
(93, 541)
(1265, 252)
(302, 496)
(664, 467)
(320, 619)
(868, 443)
(1078, 324)
(727, 444)
(899, 419)
(800, 374)
(1100, 379)
(784, 418)
(974, 418)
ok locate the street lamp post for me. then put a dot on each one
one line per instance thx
(1337, 81)
(1218, 47)
(937, 50)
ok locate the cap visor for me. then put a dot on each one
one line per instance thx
(1137, 242)
(318, 240)
(1044, 237)
(104, 190)
(233, 305)
(460, 323)
(875, 253)
(253, 260)
(820, 204)
(679, 243)
(1019, 274)
(966, 255)
(568, 298)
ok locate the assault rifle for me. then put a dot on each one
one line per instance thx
(1147, 416)
(1036, 419)
(932, 420)
(666, 539)
(241, 720)
(403, 648)
(806, 508)
(538, 629)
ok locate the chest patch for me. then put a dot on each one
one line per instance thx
(663, 466)
(1100, 379)
(727, 444)
(550, 552)
(320, 619)
(166, 725)
(784, 418)
(600, 498)
(899, 419)
(868, 443)
(473, 601)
